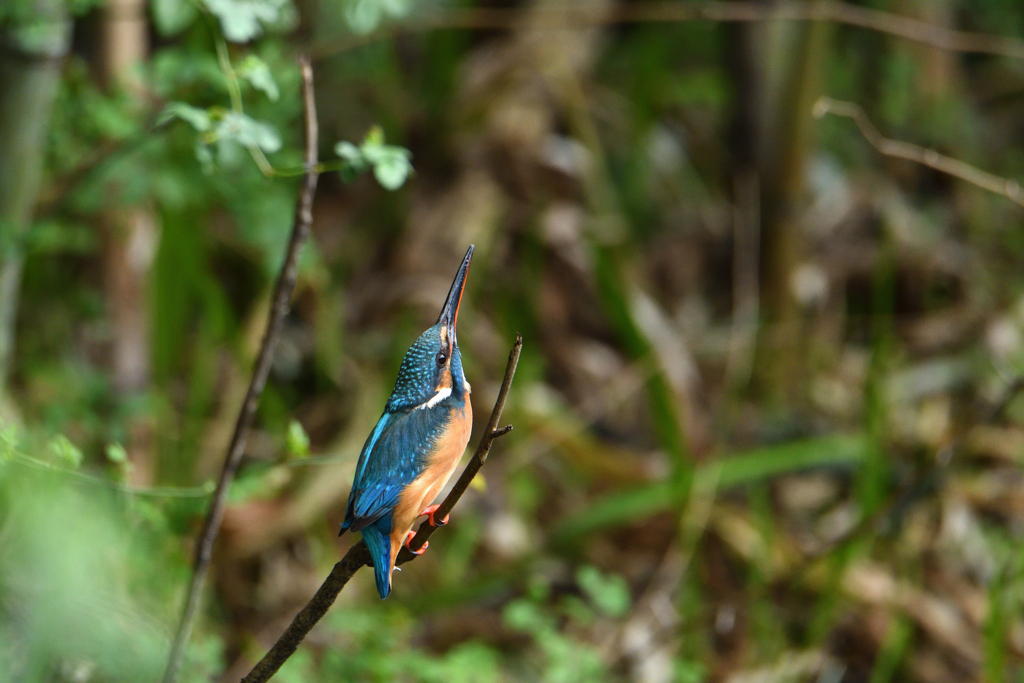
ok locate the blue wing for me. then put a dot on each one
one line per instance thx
(394, 455)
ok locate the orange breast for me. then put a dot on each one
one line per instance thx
(420, 493)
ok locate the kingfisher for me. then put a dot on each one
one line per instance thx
(417, 443)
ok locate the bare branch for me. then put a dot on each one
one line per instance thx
(739, 11)
(357, 556)
(281, 303)
(928, 157)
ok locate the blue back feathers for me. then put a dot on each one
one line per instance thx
(393, 460)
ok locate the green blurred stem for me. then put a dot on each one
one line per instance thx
(1004, 604)
(230, 75)
(154, 492)
(235, 94)
(31, 57)
(894, 649)
(291, 171)
(721, 473)
(871, 485)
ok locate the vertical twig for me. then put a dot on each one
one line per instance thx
(357, 556)
(281, 302)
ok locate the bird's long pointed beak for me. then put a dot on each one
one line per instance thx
(450, 312)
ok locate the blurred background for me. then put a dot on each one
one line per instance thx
(766, 417)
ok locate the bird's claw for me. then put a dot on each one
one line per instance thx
(408, 539)
(429, 512)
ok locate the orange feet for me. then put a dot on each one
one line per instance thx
(422, 550)
(429, 512)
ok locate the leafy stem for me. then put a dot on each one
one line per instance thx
(235, 93)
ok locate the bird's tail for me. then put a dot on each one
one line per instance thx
(379, 544)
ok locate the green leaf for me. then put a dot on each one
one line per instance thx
(609, 593)
(522, 615)
(9, 440)
(393, 167)
(257, 73)
(66, 452)
(636, 503)
(364, 16)
(296, 441)
(195, 117)
(248, 132)
(374, 138)
(243, 20)
(172, 16)
(391, 164)
(116, 453)
(119, 457)
(349, 152)
(690, 672)
(174, 69)
(204, 156)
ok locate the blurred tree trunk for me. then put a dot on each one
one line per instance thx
(794, 86)
(742, 57)
(32, 48)
(130, 236)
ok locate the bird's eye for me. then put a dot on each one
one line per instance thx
(442, 358)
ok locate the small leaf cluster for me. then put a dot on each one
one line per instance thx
(243, 20)
(256, 72)
(559, 656)
(391, 164)
(364, 16)
(223, 128)
(240, 20)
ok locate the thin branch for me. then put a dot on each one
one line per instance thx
(928, 157)
(357, 556)
(281, 302)
(739, 11)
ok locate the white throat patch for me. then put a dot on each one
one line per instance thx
(441, 395)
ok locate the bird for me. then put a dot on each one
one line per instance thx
(417, 443)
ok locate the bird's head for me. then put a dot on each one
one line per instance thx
(432, 368)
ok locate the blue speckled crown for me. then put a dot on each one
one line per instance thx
(420, 375)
